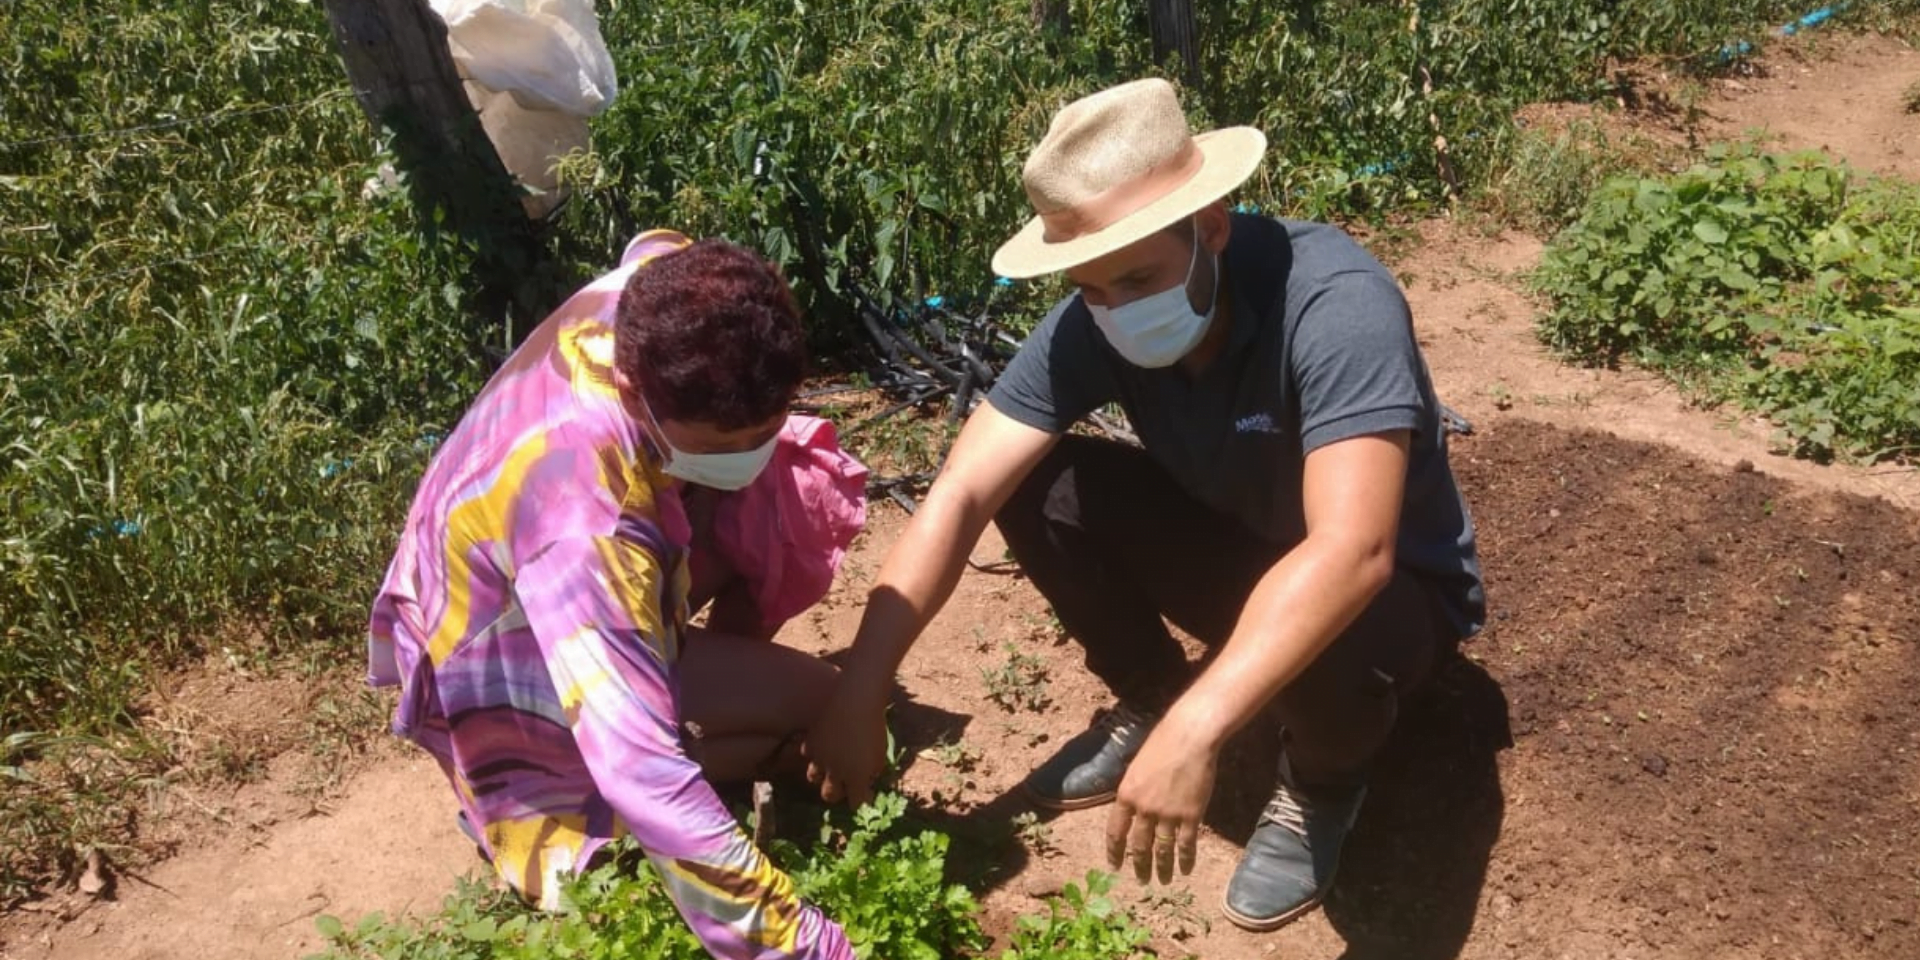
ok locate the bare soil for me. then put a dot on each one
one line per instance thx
(1692, 729)
(1843, 94)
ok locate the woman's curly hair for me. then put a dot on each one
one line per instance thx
(710, 334)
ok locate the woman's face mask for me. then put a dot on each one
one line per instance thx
(1157, 330)
(721, 471)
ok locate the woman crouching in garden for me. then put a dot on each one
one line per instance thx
(631, 464)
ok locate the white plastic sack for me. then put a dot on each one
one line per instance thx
(529, 142)
(548, 53)
(535, 70)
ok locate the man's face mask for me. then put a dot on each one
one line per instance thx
(1157, 330)
(721, 471)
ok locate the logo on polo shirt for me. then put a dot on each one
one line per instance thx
(1257, 423)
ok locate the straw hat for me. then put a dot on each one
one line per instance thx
(1116, 167)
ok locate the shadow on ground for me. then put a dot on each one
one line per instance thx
(1411, 879)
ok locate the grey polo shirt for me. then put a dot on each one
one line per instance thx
(1321, 350)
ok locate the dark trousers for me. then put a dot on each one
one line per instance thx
(1114, 545)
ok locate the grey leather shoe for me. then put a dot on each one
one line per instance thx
(1293, 854)
(1087, 770)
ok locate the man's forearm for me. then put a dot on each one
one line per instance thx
(1293, 614)
(918, 576)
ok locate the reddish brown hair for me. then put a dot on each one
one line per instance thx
(710, 334)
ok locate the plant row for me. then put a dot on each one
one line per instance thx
(885, 884)
(1786, 284)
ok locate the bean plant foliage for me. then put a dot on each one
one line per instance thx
(877, 144)
(874, 145)
(881, 880)
(215, 354)
(221, 365)
(1787, 284)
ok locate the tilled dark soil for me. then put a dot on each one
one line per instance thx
(1692, 730)
(1714, 693)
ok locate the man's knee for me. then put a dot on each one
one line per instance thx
(1339, 711)
(1060, 488)
(1037, 501)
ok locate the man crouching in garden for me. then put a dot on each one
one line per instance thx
(1293, 506)
(631, 464)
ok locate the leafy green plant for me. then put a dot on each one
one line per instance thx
(888, 892)
(1786, 284)
(876, 143)
(955, 755)
(1082, 923)
(1018, 683)
(1034, 832)
(879, 143)
(221, 367)
(883, 884)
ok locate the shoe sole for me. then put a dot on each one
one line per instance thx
(1271, 924)
(1066, 806)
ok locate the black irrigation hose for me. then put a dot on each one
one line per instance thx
(964, 360)
(973, 364)
(895, 488)
(912, 347)
(913, 401)
(962, 401)
(829, 390)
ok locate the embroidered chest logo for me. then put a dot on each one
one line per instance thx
(1257, 423)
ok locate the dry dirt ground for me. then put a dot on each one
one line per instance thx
(1692, 729)
(1844, 94)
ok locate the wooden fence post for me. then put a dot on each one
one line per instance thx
(1171, 25)
(402, 72)
(1053, 17)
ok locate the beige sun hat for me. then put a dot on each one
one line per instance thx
(1114, 168)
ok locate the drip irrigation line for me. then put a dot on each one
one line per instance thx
(912, 401)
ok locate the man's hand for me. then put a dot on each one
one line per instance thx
(1156, 819)
(847, 746)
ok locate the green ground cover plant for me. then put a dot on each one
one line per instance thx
(883, 881)
(1017, 683)
(1787, 284)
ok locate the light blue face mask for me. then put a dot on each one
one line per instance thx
(1156, 331)
(721, 471)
